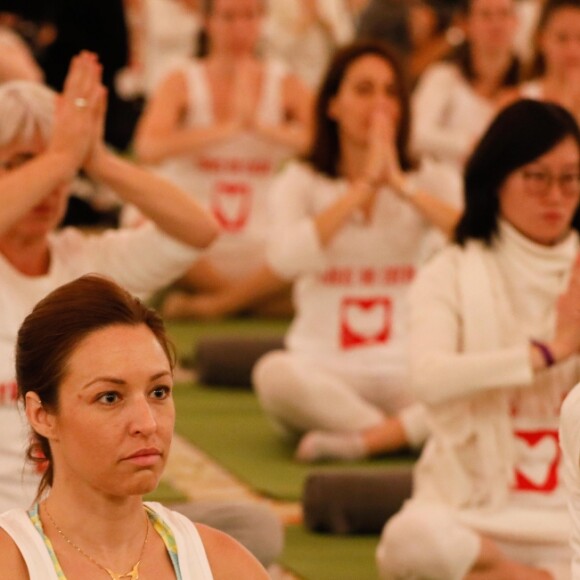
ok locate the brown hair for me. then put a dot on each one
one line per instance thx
(462, 57)
(51, 332)
(549, 8)
(206, 9)
(324, 153)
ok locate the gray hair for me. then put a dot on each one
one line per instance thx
(26, 109)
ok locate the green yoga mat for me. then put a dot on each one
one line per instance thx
(231, 428)
(322, 557)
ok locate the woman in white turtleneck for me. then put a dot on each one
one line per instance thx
(495, 342)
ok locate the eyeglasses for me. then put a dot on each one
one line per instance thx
(539, 182)
(16, 161)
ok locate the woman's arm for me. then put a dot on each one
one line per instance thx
(435, 210)
(227, 558)
(298, 237)
(12, 564)
(160, 134)
(170, 208)
(176, 213)
(431, 101)
(73, 134)
(570, 445)
(26, 186)
(440, 370)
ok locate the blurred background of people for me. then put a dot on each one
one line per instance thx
(555, 67)
(455, 100)
(351, 222)
(221, 126)
(435, 30)
(386, 20)
(162, 32)
(305, 34)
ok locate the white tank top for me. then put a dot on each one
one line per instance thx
(193, 562)
(232, 177)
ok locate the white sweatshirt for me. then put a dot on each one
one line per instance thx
(448, 115)
(495, 422)
(350, 296)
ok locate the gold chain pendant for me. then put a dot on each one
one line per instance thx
(132, 575)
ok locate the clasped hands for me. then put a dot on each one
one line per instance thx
(79, 117)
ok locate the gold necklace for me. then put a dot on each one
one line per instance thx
(133, 574)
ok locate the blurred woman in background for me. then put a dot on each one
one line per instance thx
(556, 64)
(455, 100)
(351, 224)
(495, 348)
(222, 125)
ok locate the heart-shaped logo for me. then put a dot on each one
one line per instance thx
(538, 458)
(231, 204)
(365, 321)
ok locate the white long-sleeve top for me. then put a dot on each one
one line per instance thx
(142, 260)
(495, 422)
(448, 115)
(350, 295)
(570, 445)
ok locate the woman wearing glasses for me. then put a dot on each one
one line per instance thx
(495, 341)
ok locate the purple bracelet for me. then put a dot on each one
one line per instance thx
(546, 353)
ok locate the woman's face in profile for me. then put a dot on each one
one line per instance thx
(541, 198)
(113, 428)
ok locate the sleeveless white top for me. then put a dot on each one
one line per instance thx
(193, 562)
(232, 177)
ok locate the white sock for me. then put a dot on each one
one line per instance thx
(321, 445)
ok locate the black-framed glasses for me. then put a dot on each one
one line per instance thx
(539, 182)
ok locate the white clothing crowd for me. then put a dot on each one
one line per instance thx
(421, 233)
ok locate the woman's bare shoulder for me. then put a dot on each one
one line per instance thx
(228, 558)
(12, 564)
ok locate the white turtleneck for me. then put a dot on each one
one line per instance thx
(527, 279)
(474, 310)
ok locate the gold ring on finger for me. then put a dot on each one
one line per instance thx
(80, 102)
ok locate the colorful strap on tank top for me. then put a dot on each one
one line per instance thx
(158, 525)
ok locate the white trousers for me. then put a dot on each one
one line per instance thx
(301, 393)
(428, 542)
